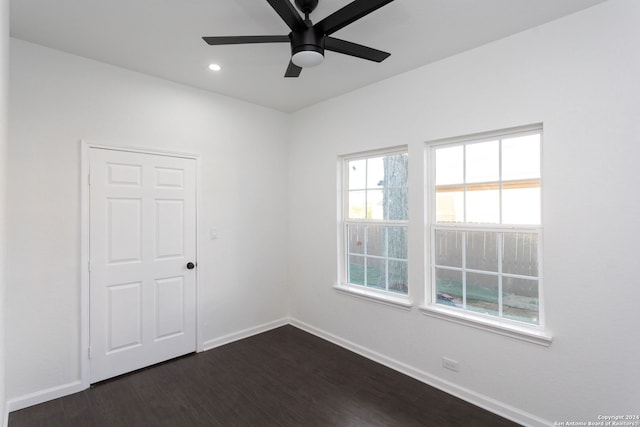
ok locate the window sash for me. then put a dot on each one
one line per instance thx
(499, 274)
(384, 256)
(345, 181)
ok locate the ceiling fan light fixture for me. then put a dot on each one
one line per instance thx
(307, 58)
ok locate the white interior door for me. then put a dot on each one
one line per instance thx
(142, 238)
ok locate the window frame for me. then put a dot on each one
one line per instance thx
(535, 333)
(384, 296)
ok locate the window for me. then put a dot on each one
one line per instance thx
(375, 221)
(485, 227)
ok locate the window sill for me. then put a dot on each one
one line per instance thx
(522, 333)
(377, 297)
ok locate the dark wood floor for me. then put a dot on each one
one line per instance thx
(285, 377)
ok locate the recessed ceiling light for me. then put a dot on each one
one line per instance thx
(214, 67)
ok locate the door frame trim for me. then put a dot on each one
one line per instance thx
(85, 331)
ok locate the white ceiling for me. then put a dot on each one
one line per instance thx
(163, 38)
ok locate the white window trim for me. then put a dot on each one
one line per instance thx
(500, 326)
(537, 334)
(380, 297)
(343, 286)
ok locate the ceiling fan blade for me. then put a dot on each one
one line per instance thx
(348, 14)
(288, 13)
(245, 39)
(292, 70)
(354, 49)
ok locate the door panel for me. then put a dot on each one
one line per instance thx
(124, 230)
(169, 178)
(170, 307)
(142, 235)
(169, 228)
(124, 312)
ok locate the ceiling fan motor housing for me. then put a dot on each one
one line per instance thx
(307, 40)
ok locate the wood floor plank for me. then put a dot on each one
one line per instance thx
(284, 377)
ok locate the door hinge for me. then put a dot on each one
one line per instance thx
(89, 266)
(89, 179)
(89, 352)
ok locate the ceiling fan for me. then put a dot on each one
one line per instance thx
(309, 41)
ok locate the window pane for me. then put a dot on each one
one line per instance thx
(375, 204)
(376, 240)
(449, 287)
(521, 157)
(357, 208)
(520, 254)
(449, 165)
(357, 174)
(376, 273)
(397, 242)
(483, 162)
(355, 239)
(520, 299)
(396, 171)
(448, 248)
(450, 206)
(398, 276)
(482, 293)
(483, 206)
(521, 206)
(375, 172)
(395, 204)
(355, 273)
(482, 250)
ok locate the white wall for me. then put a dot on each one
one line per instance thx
(578, 76)
(58, 99)
(4, 103)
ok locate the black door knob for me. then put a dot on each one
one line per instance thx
(191, 265)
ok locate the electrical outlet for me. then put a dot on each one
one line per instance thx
(450, 364)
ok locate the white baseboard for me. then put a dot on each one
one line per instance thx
(477, 399)
(245, 333)
(43, 396)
